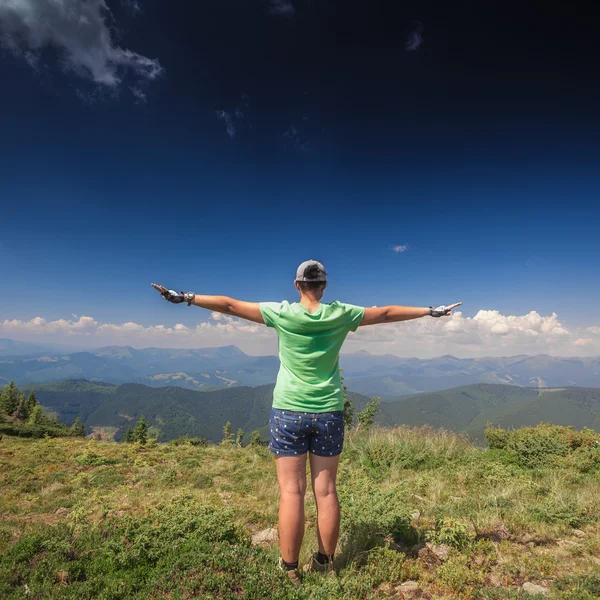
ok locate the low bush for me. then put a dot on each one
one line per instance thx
(582, 587)
(450, 532)
(91, 459)
(31, 430)
(545, 444)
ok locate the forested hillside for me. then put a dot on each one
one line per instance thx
(173, 411)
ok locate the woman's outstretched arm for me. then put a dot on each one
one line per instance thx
(222, 304)
(392, 314)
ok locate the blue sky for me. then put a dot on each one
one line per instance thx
(213, 148)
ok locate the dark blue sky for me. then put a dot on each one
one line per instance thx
(478, 150)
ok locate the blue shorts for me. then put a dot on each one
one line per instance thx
(296, 433)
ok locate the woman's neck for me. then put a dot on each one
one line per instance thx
(309, 302)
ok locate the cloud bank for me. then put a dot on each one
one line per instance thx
(281, 8)
(488, 333)
(78, 30)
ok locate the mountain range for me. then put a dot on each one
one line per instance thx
(174, 411)
(207, 369)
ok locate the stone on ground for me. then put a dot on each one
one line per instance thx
(266, 535)
(533, 588)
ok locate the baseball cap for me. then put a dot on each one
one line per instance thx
(321, 275)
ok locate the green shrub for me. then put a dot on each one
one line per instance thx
(186, 439)
(450, 532)
(143, 540)
(91, 459)
(582, 587)
(32, 430)
(546, 445)
(386, 565)
(554, 511)
(372, 515)
(496, 437)
(179, 550)
(456, 575)
(585, 459)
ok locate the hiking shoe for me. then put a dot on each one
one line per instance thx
(314, 566)
(293, 575)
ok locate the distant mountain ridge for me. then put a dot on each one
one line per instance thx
(175, 411)
(208, 369)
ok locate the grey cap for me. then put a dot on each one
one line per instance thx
(321, 274)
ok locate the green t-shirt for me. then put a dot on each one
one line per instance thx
(309, 351)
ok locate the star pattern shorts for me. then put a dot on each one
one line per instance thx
(296, 433)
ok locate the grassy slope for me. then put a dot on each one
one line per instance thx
(85, 519)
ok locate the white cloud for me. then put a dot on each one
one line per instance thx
(79, 30)
(488, 333)
(415, 37)
(139, 94)
(400, 248)
(294, 138)
(225, 116)
(39, 326)
(281, 8)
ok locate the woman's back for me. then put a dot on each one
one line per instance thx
(309, 348)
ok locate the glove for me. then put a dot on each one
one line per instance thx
(440, 311)
(173, 297)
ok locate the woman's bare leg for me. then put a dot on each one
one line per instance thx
(323, 473)
(291, 474)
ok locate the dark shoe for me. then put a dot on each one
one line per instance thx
(294, 574)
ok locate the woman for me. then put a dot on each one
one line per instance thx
(307, 413)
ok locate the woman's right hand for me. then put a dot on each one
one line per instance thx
(169, 295)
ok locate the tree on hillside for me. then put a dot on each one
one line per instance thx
(37, 416)
(366, 417)
(140, 431)
(128, 437)
(227, 434)
(31, 402)
(239, 437)
(348, 408)
(78, 428)
(21, 413)
(9, 399)
(255, 438)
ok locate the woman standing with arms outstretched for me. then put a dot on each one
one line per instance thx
(307, 415)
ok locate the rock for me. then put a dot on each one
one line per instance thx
(578, 533)
(533, 588)
(408, 586)
(455, 498)
(417, 497)
(442, 551)
(567, 543)
(53, 487)
(62, 511)
(415, 515)
(266, 535)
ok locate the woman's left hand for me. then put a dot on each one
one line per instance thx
(442, 311)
